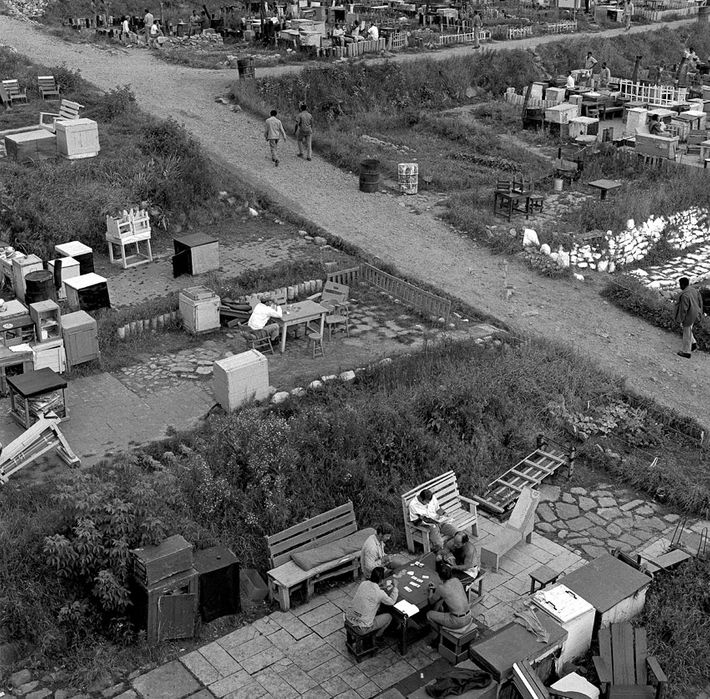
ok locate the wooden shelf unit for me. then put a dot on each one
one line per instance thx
(47, 319)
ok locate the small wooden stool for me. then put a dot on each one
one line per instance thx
(454, 643)
(542, 575)
(316, 341)
(360, 645)
(536, 202)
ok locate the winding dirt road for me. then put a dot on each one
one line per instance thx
(418, 244)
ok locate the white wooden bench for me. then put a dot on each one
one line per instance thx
(327, 528)
(518, 528)
(462, 511)
(67, 110)
(14, 92)
(47, 86)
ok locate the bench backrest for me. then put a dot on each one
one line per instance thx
(12, 86)
(445, 488)
(4, 97)
(332, 291)
(314, 532)
(47, 82)
(623, 649)
(527, 682)
(69, 110)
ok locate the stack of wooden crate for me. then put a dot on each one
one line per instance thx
(165, 589)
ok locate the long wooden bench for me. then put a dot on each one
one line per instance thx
(623, 661)
(67, 110)
(518, 528)
(315, 534)
(462, 511)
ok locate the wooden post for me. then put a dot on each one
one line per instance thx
(635, 74)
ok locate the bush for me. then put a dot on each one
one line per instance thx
(638, 300)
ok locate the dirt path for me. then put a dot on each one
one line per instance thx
(419, 245)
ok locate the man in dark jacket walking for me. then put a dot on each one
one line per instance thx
(688, 310)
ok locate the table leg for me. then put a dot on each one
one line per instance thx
(403, 636)
(603, 194)
(322, 325)
(283, 337)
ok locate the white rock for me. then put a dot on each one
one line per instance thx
(298, 391)
(545, 249)
(329, 377)
(253, 212)
(315, 384)
(578, 277)
(629, 225)
(385, 361)
(347, 375)
(603, 265)
(530, 238)
(280, 396)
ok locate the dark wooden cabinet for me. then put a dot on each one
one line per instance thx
(218, 572)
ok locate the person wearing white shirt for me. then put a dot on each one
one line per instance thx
(338, 35)
(362, 614)
(259, 318)
(570, 81)
(373, 33)
(373, 553)
(424, 511)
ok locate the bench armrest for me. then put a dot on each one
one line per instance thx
(655, 668)
(603, 670)
(472, 504)
(315, 297)
(43, 121)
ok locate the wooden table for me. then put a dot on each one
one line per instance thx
(544, 576)
(34, 393)
(29, 145)
(418, 596)
(605, 186)
(299, 313)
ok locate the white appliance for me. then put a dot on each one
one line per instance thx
(574, 614)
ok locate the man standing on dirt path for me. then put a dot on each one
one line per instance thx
(304, 132)
(147, 24)
(477, 24)
(688, 310)
(628, 14)
(273, 131)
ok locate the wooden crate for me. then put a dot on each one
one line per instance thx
(77, 138)
(151, 564)
(47, 319)
(18, 330)
(199, 309)
(195, 253)
(88, 292)
(168, 609)
(656, 146)
(29, 146)
(561, 113)
(50, 355)
(240, 378)
(70, 268)
(13, 364)
(81, 343)
(80, 252)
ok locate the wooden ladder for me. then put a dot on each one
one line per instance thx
(502, 493)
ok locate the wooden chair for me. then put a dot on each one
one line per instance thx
(340, 318)
(14, 91)
(518, 528)
(47, 86)
(67, 110)
(463, 511)
(530, 686)
(623, 662)
(258, 339)
(5, 98)
(332, 296)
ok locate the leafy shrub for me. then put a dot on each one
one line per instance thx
(638, 300)
(115, 103)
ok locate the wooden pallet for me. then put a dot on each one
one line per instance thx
(502, 494)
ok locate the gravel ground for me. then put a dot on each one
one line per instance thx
(418, 244)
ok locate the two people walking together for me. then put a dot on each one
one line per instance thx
(274, 132)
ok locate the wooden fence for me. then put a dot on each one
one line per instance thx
(397, 41)
(661, 95)
(464, 37)
(562, 27)
(424, 301)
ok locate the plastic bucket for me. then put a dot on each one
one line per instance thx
(39, 286)
(408, 177)
(557, 184)
(245, 66)
(369, 175)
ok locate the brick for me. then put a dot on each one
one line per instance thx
(299, 679)
(309, 660)
(295, 627)
(169, 681)
(354, 678)
(320, 614)
(200, 667)
(393, 674)
(252, 690)
(282, 639)
(266, 625)
(335, 686)
(316, 693)
(258, 662)
(236, 638)
(275, 685)
(226, 686)
(246, 650)
(220, 659)
(369, 690)
(332, 667)
(329, 626)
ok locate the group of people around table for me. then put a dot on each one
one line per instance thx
(358, 31)
(456, 558)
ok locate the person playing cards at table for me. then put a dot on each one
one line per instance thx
(424, 511)
(461, 554)
(449, 601)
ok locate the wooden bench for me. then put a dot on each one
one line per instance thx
(623, 661)
(518, 528)
(14, 92)
(285, 575)
(67, 110)
(47, 86)
(463, 511)
(530, 686)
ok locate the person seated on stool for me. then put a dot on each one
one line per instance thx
(451, 597)
(259, 318)
(570, 81)
(373, 552)
(657, 127)
(460, 553)
(370, 594)
(424, 511)
(338, 35)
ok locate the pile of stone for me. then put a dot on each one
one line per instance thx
(405, 150)
(695, 266)
(207, 38)
(27, 9)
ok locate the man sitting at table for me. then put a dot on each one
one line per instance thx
(657, 127)
(373, 552)
(449, 601)
(373, 33)
(338, 35)
(362, 612)
(570, 81)
(259, 318)
(424, 511)
(460, 553)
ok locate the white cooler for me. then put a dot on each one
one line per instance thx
(574, 614)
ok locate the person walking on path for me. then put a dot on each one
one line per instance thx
(304, 132)
(273, 132)
(688, 310)
(148, 20)
(477, 24)
(628, 14)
